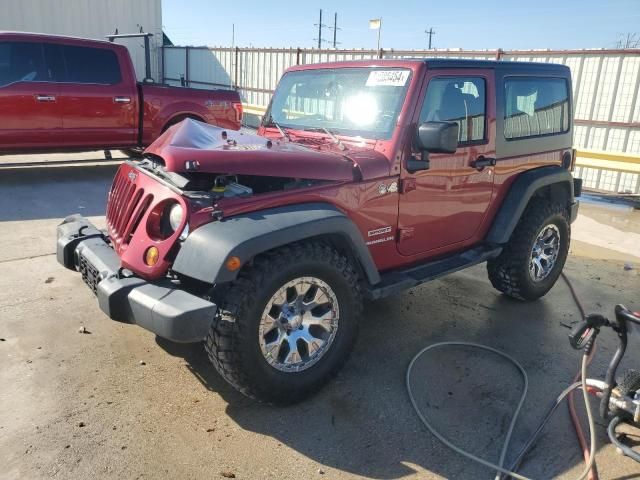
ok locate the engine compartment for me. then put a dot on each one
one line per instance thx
(225, 185)
(219, 185)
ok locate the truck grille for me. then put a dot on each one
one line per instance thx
(126, 207)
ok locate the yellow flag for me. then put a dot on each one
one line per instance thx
(374, 24)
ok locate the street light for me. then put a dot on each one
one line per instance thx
(376, 24)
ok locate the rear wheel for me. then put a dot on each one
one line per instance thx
(287, 324)
(176, 120)
(532, 261)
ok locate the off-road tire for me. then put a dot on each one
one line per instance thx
(509, 272)
(233, 341)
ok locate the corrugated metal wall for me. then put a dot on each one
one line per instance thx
(91, 19)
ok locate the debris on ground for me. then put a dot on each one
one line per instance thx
(142, 362)
(227, 474)
(321, 471)
(628, 266)
(49, 280)
(82, 329)
(81, 424)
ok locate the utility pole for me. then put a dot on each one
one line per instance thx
(320, 31)
(233, 35)
(319, 25)
(335, 30)
(431, 33)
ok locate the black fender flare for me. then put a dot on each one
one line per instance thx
(523, 188)
(205, 251)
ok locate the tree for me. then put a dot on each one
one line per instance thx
(628, 40)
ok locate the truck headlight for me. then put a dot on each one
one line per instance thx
(176, 213)
(165, 219)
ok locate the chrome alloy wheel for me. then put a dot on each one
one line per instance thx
(544, 253)
(298, 324)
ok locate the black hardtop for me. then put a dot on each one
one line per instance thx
(504, 66)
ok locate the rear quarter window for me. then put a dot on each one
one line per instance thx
(91, 65)
(535, 106)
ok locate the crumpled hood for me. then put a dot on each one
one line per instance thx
(217, 150)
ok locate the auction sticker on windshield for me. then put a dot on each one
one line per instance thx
(389, 78)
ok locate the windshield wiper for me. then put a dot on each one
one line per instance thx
(332, 135)
(284, 134)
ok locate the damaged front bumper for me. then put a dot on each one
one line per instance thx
(159, 307)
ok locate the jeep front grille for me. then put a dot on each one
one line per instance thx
(126, 207)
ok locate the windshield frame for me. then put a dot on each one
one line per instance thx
(268, 121)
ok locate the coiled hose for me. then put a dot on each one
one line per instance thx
(499, 467)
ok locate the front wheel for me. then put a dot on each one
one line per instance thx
(287, 324)
(532, 261)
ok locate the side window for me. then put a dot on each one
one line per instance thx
(21, 62)
(535, 106)
(91, 65)
(460, 100)
(55, 62)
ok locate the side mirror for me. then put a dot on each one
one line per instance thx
(438, 137)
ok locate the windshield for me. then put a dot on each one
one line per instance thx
(362, 102)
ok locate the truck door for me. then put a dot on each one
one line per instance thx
(99, 101)
(30, 115)
(444, 206)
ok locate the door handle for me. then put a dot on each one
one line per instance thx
(482, 162)
(122, 99)
(45, 98)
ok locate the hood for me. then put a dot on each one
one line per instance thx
(217, 150)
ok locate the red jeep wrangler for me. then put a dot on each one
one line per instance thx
(365, 179)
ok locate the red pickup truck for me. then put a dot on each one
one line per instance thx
(65, 94)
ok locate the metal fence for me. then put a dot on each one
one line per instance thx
(606, 86)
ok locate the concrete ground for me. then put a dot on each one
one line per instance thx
(119, 403)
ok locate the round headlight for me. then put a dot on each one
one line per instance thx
(175, 216)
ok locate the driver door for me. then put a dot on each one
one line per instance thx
(30, 115)
(444, 207)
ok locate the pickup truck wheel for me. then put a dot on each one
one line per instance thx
(533, 259)
(287, 324)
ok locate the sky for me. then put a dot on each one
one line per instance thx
(479, 24)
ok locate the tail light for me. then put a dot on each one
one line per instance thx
(237, 107)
